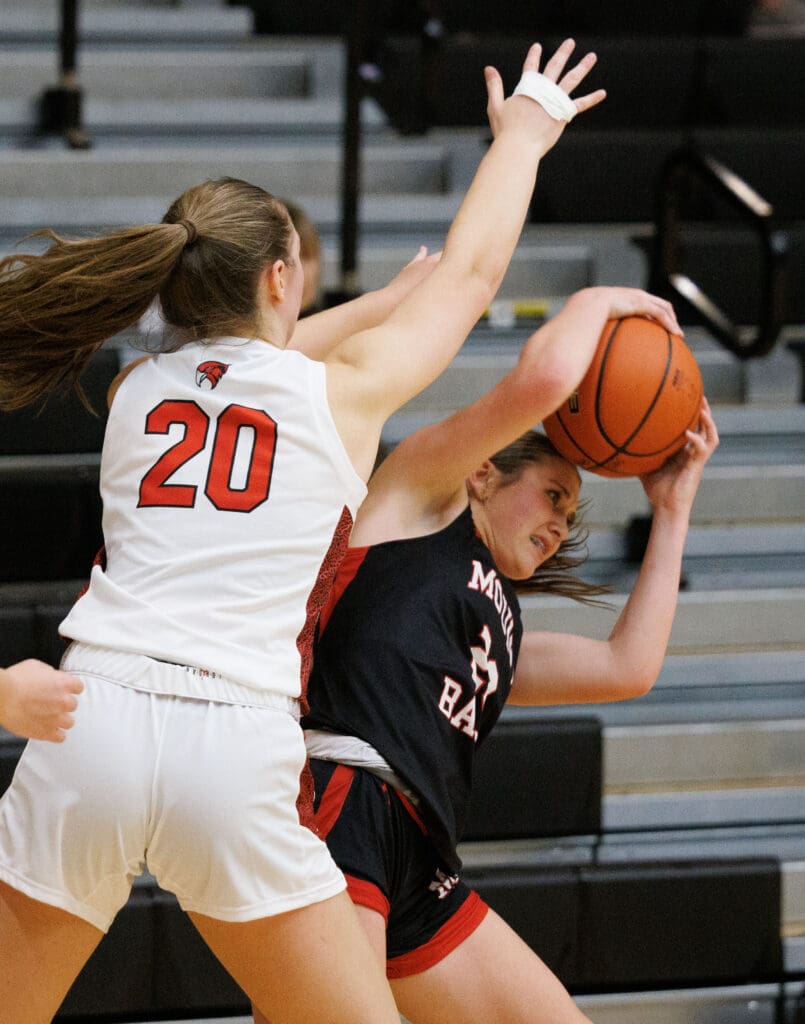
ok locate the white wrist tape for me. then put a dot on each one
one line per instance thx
(554, 101)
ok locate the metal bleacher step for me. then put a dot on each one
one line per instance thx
(739, 1004)
(746, 1004)
(691, 808)
(727, 494)
(35, 24)
(717, 557)
(701, 774)
(712, 687)
(124, 184)
(252, 88)
(221, 120)
(750, 434)
(707, 621)
(166, 170)
(541, 272)
(484, 361)
(129, 72)
(695, 756)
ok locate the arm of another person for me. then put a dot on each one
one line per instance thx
(378, 370)
(320, 334)
(421, 483)
(37, 701)
(558, 668)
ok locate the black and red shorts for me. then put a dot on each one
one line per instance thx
(379, 842)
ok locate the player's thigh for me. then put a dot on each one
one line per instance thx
(311, 964)
(491, 976)
(43, 950)
(374, 927)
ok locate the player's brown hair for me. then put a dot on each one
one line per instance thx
(309, 240)
(203, 261)
(556, 575)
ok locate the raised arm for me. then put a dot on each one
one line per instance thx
(558, 668)
(378, 370)
(422, 480)
(37, 701)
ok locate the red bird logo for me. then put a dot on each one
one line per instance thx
(209, 374)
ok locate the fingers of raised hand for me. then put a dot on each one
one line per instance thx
(533, 57)
(696, 444)
(592, 99)
(576, 75)
(494, 87)
(556, 65)
(707, 427)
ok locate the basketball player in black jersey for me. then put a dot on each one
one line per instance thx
(421, 645)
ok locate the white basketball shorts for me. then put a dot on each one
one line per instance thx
(202, 794)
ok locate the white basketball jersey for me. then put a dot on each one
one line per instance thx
(224, 482)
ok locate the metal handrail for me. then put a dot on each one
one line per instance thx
(61, 106)
(351, 158)
(667, 272)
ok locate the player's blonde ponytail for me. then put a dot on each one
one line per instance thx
(203, 261)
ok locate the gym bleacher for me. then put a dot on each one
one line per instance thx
(651, 852)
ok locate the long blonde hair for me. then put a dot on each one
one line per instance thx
(556, 576)
(202, 261)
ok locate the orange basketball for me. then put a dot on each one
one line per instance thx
(642, 391)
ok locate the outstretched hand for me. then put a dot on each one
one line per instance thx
(673, 486)
(413, 273)
(37, 701)
(517, 110)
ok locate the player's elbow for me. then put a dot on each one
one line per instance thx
(637, 684)
(548, 376)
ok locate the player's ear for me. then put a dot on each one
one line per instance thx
(273, 280)
(481, 479)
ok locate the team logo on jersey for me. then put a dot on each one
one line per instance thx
(209, 374)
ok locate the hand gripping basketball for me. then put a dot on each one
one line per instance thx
(641, 393)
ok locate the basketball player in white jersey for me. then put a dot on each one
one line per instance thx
(231, 472)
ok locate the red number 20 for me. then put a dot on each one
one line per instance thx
(155, 489)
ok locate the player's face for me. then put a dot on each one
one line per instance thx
(523, 521)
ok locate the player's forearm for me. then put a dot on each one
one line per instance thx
(640, 637)
(6, 685)
(489, 221)
(555, 358)
(320, 334)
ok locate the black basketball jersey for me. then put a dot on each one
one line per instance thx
(415, 656)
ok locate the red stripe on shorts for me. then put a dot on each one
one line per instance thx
(367, 894)
(452, 933)
(412, 811)
(332, 800)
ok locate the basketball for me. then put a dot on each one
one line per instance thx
(642, 391)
